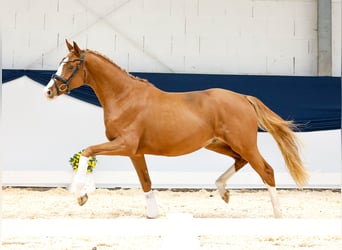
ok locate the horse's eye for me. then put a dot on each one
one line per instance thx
(70, 67)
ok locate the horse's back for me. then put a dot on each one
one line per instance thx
(225, 102)
(209, 104)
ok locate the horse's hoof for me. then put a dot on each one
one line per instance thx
(225, 197)
(152, 216)
(82, 200)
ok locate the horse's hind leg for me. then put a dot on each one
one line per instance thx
(275, 201)
(221, 182)
(266, 173)
(145, 181)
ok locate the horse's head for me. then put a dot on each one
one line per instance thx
(70, 74)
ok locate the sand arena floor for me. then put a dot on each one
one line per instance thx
(30, 205)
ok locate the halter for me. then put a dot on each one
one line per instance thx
(66, 82)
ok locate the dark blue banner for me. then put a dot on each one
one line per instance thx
(312, 102)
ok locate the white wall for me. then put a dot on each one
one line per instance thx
(39, 136)
(200, 36)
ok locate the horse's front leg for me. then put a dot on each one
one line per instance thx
(119, 146)
(82, 183)
(145, 181)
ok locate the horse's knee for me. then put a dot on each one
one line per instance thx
(87, 152)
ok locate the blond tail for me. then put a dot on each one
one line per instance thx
(286, 139)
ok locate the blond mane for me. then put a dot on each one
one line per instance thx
(117, 66)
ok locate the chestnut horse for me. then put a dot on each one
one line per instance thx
(142, 119)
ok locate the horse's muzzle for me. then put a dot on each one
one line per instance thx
(48, 90)
(49, 93)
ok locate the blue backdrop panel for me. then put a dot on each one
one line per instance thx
(312, 102)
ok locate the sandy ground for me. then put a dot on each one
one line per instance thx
(35, 203)
(31, 203)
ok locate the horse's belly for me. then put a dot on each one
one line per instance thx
(177, 143)
(172, 150)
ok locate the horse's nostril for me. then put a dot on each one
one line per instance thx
(48, 93)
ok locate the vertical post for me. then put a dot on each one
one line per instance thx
(324, 60)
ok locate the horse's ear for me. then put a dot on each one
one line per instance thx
(70, 48)
(77, 49)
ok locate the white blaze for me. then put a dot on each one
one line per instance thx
(59, 72)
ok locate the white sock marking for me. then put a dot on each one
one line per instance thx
(275, 201)
(222, 180)
(83, 182)
(152, 208)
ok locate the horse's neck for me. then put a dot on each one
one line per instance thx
(108, 81)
